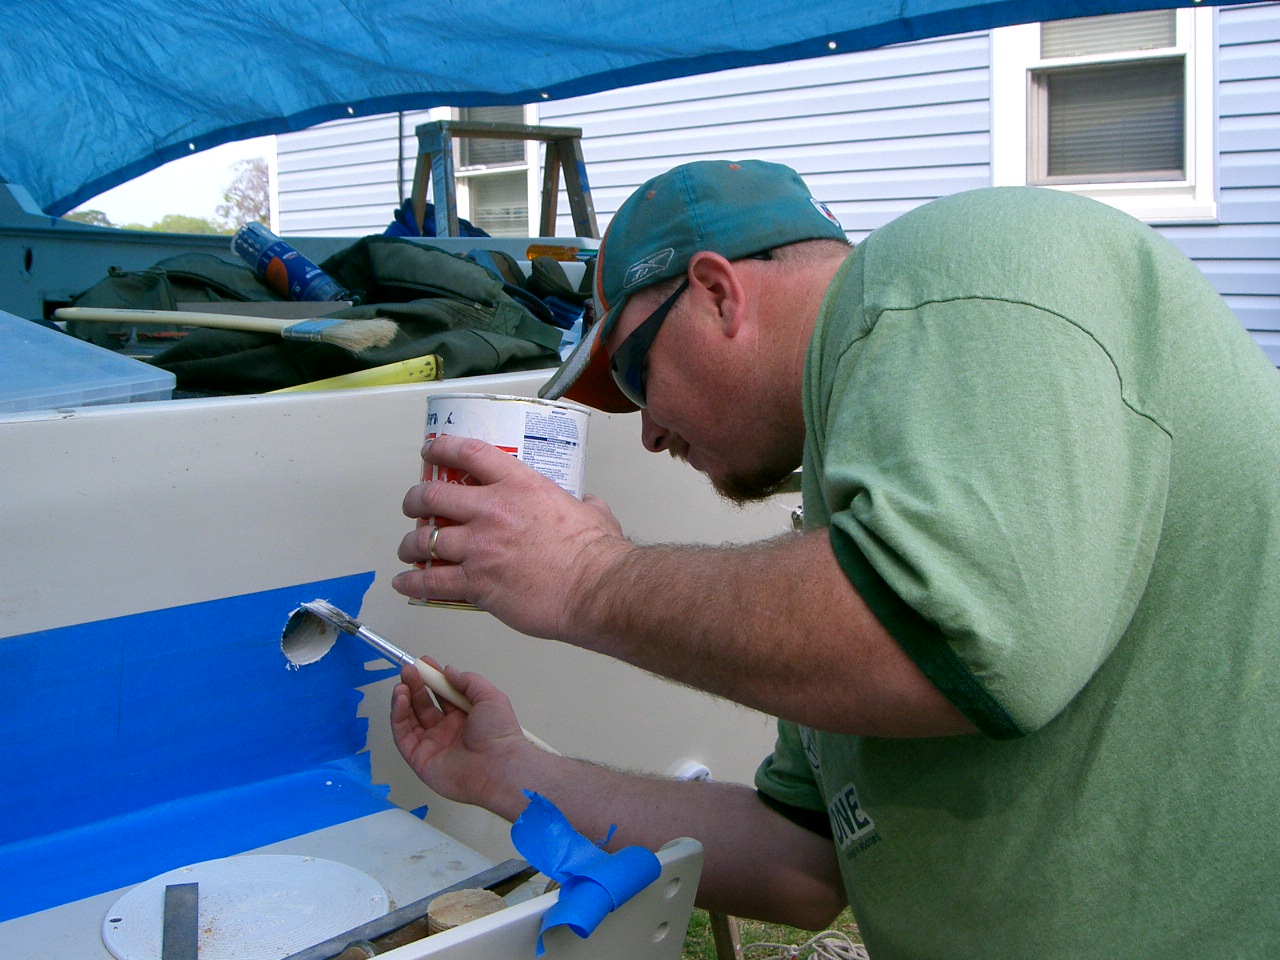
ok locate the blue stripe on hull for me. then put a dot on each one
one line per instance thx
(134, 745)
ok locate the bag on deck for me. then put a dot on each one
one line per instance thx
(444, 304)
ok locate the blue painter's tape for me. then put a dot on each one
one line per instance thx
(142, 743)
(119, 851)
(592, 882)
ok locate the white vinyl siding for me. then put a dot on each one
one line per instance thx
(1240, 253)
(874, 133)
(347, 177)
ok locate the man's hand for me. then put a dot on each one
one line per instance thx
(515, 544)
(461, 756)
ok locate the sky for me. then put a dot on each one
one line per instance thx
(192, 186)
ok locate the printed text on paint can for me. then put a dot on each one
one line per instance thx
(549, 436)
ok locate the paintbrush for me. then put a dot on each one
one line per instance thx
(312, 629)
(354, 336)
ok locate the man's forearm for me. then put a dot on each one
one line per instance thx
(774, 625)
(757, 863)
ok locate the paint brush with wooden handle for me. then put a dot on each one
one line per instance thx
(312, 629)
(354, 336)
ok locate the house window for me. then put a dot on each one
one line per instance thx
(1115, 107)
(493, 176)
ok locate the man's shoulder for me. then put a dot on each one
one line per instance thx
(991, 213)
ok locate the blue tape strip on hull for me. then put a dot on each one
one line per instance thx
(134, 745)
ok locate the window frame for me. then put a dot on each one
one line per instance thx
(1015, 56)
(463, 176)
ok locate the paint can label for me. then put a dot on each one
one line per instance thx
(548, 435)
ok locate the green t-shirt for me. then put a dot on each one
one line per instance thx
(1049, 459)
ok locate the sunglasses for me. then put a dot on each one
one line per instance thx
(629, 364)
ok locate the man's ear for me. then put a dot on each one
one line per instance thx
(719, 283)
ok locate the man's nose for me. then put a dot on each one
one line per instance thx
(654, 437)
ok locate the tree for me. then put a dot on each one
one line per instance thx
(95, 217)
(183, 223)
(248, 199)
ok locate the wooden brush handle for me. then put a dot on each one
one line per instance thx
(438, 684)
(222, 321)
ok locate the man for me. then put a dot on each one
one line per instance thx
(1025, 656)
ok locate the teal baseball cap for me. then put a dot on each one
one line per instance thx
(733, 208)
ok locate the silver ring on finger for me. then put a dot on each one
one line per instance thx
(431, 543)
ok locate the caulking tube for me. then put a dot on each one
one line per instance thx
(548, 435)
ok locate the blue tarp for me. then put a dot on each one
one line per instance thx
(97, 92)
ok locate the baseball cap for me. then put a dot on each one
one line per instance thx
(733, 208)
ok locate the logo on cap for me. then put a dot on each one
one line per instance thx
(641, 270)
(823, 209)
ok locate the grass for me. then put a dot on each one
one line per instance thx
(699, 944)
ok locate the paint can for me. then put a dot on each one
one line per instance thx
(548, 435)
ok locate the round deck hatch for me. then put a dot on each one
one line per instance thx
(252, 907)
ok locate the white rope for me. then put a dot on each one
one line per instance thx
(828, 945)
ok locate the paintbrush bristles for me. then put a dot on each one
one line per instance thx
(357, 336)
(327, 612)
(354, 336)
